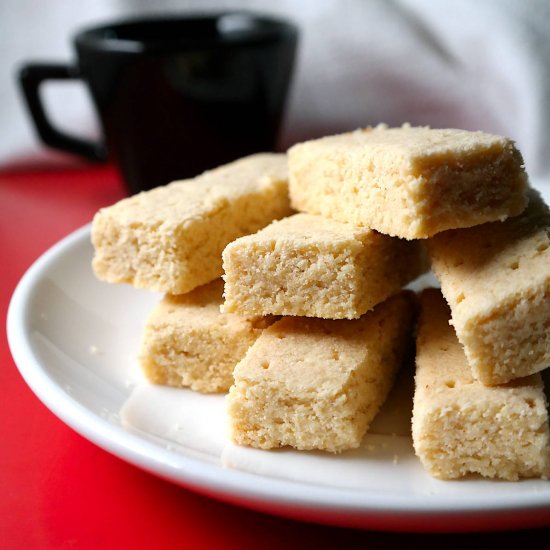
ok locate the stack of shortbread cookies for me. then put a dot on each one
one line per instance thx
(310, 325)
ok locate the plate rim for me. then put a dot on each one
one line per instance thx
(278, 496)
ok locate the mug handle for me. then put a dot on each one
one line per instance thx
(31, 77)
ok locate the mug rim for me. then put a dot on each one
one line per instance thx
(267, 28)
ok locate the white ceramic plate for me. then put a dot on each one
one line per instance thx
(75, 341)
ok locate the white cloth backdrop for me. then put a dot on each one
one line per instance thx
(474, 64)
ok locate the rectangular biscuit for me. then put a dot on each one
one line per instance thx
(496, 279)
(187, 342)
(317, 383)
(170, 239)
(410, 182)
(312, 266)
(459, 425)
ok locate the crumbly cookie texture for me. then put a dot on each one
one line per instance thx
(170, 239)
(410, 182)
(317, 383)
(313, 266)
(459, 425)
(187, 342)
(496, 279)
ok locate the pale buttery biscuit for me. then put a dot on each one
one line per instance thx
(462, 427)
(496, 279)
(187, 342)
(312, 266)
(170, 239)
(316, 383)
(408, 182)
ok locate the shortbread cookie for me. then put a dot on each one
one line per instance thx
(187, 342)
(408, 182)
(170, 239)
(316, 383)
(496, 279)
(461, 426)
(316, 267)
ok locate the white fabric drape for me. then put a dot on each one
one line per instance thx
(474, 64)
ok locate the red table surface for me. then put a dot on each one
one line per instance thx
(58, 490)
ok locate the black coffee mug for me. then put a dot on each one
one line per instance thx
(175, 95)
